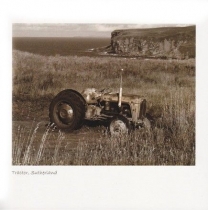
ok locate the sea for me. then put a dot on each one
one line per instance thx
(51, 46)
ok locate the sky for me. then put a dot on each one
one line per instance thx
(72, 30)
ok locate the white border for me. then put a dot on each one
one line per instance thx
(105, 187)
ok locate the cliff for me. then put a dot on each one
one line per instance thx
(167, 42)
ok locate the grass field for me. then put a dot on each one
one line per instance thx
(168, 85)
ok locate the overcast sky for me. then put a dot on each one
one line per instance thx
(71, 30)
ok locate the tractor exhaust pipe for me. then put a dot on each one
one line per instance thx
(120, 91)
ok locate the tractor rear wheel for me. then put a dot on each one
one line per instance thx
(67, 110)
(119, 126)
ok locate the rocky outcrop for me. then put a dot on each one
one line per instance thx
(167, 42)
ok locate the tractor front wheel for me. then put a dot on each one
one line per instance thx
(119, 126)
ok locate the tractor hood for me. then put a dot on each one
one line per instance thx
(126, 98)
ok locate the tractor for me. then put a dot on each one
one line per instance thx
(69, 109)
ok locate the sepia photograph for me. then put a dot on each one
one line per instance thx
(103, 94)
(103, 105)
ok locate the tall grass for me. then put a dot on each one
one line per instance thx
(140, 147)
(168, 85)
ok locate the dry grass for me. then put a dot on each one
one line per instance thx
(141, 147)
(168, 85)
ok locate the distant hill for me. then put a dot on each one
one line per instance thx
(166, 42)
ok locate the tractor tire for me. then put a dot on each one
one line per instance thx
(119, 126)
(67, 110)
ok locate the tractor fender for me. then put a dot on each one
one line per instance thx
(77, 93)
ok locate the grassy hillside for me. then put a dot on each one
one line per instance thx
(168, 85)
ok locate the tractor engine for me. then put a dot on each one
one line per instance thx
(93, 112)
(91, 96)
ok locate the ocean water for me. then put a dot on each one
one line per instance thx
(59, 45)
